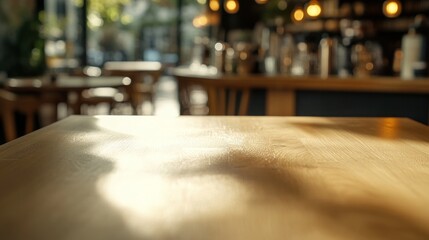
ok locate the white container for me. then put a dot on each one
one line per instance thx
(413, 53)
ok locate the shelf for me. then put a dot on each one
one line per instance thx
(333, 25)
(313, 26)
(395, 25)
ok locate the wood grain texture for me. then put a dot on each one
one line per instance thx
(135, 177)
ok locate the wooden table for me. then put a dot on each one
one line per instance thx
(136, 71)
(135, 177)
(281, 89)
(59, 89)
(64, 84)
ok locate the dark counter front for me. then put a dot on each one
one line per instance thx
(356, 104)
(351, 104)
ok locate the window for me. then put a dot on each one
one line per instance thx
(121, 30)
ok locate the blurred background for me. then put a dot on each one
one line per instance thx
(65, 34)
(346, 38)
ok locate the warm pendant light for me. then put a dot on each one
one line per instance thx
(261, 1)
(231, 6)
(214, 5)
(392, 8)
(298, 14)
(200, 21)
(313, 9)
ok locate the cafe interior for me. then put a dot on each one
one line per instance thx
(214, 119)
(331, 51)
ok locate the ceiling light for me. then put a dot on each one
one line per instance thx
(392, 8)
(231, 6)
(214, 5)
(298, 14)
(313, 8)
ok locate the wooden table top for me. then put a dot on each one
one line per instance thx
(137, 66)
(65, 83)
(332, 83)
(135, 177)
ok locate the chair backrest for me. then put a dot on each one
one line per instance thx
(136, 71)
(7, 104)
(223, 98)
(11, 103)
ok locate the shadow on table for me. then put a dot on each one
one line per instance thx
(54, 194)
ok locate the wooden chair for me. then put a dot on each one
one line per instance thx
(228, 101)
(11, 103)
(144, 76)
(222, 99)
(95, 96)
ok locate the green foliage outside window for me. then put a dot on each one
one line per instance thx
(21, 46)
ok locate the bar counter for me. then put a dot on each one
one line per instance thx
(282, 92)
(359, 84)
(135, 177)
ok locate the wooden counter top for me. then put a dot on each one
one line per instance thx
(332, 83)
(134, 177)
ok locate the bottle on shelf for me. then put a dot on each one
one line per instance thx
(414, 53)
(327, 56)
(286, 54)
